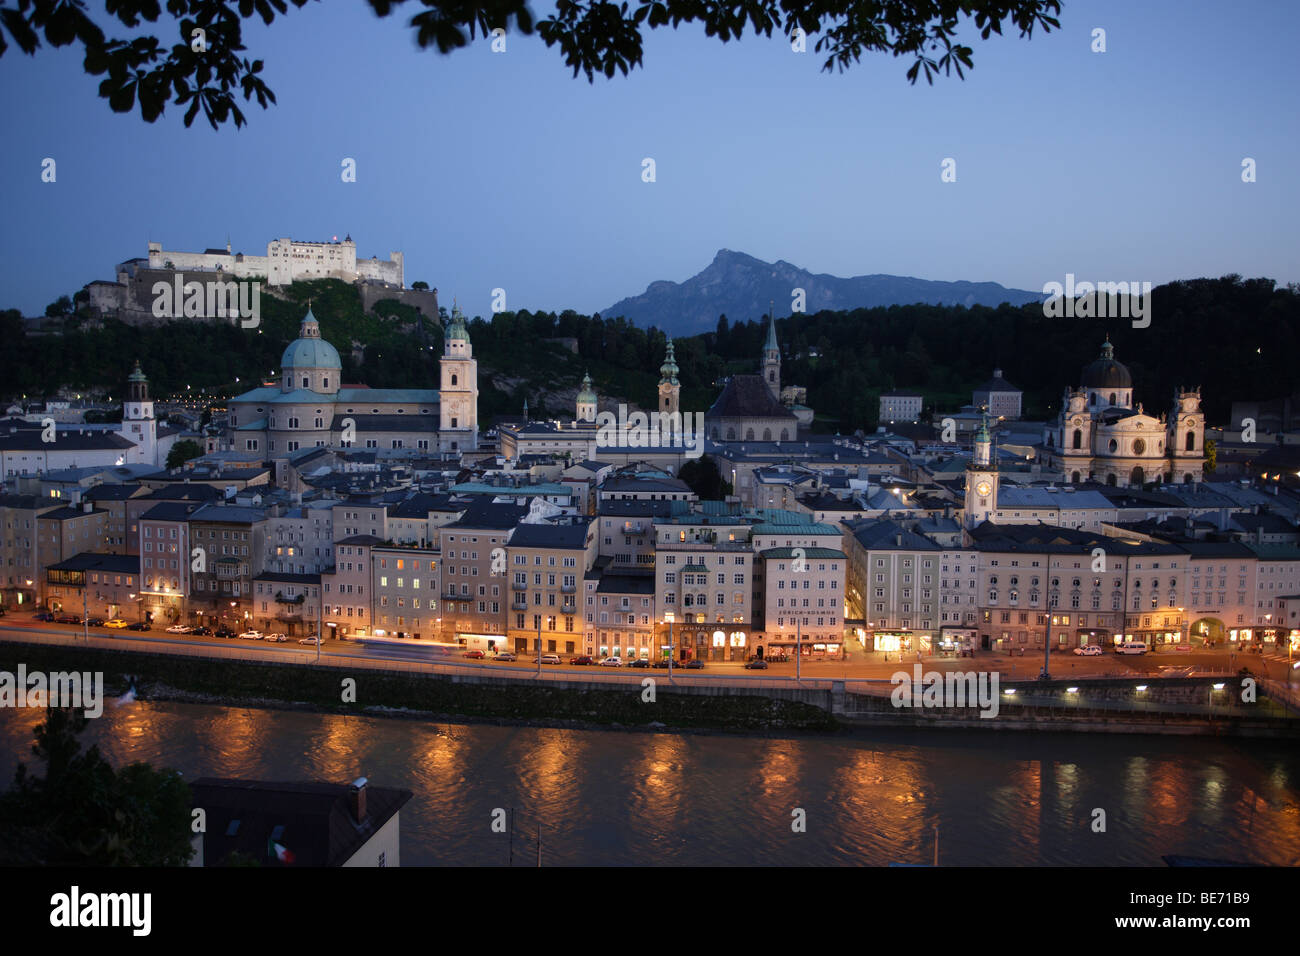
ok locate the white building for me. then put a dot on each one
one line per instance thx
(286, 261)
(1100, 435)
(310, 408)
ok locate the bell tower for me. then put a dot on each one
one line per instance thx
(669, 388)
(981, 479)
(770, 367)
(458, 405)
(586, 403)
(138, 423)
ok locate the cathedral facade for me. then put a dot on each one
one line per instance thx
(310, 408)
(1101, 435)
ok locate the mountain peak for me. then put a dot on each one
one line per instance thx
(741, 286)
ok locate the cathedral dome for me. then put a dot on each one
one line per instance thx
(1105, 372)
(309, 350)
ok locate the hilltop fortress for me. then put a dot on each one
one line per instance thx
(131, 297)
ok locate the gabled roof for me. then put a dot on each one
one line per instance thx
(312, 820)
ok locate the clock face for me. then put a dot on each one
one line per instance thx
(983, 489)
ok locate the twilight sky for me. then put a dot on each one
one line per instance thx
(502, 170)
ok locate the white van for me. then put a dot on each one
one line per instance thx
(1131, 647)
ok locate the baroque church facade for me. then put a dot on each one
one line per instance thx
(1101, 435)
(311, 408)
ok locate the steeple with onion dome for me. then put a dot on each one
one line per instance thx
(669, 388)
(586, 401)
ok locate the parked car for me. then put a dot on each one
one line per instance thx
(757, 664)
(551, 659)
(276, 638)
(179, 629)
(43, 616)
(96, 622)
(612, 662)
(581, 659)
(68, 619)
(695, 664)
(204, 631)
(474, 655)
(639, 662)
(506, 656)
(224, 632)
(313, 640)
(251, 636)
(140, 626)
(116, 622)
(663, 662)
(1088, 650)
(1131, 647)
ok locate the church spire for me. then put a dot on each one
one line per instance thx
(670, 390)
(770, 367)
(668, 371)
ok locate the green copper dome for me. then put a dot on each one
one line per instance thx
(668, 371)
(309, 350)
(457, 328)
(587, 395)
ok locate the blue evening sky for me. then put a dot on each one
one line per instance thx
(502, 170)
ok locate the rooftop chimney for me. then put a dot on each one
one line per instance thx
(357, 800)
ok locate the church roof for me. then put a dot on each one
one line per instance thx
(457, 328)
(1105, 372)
(309, 350)
(668, 371)
(997, 384)
(410, 396)
(747, 396)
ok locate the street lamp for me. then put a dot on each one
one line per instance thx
(798, 648)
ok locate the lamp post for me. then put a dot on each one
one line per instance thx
(320, 618)
(539, 646)
(671, 648)
(798, 648)
(1047, 647)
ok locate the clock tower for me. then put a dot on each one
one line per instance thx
(981, 479)
(458, 411)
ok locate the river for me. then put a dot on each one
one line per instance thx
(612, 797)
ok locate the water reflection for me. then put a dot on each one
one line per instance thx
(621, 798)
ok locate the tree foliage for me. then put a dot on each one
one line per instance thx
(85, 813)
(170, 62)
(704, 478)
(1237, 337)
(182, 452)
